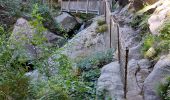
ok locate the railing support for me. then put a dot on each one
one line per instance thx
(87, 6)
(126, 70)
(110, 31)
(68, 6)
(118, 44)
(105, 11)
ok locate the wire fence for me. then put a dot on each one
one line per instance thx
(115, 41)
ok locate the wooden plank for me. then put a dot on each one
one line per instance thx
(87, 6)
(99, 5)
(77, 6)
(81, 6)
(68, 7)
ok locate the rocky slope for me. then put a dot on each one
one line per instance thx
(143, 75)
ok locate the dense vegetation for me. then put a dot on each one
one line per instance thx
(159, 42)
(15, 84)
(164, 89)
(11, 10)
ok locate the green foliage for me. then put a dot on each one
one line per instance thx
(141, 22)
(160, 42)
(91, 75)
(90, 68)
(85, 17)
(13, 83)
(97, 59)
(163, 89)
(165, 31)
(102, 28)
(148, 42)
(101, 22)
(10, 10)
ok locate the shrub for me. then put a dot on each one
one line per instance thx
(101, 22)
(141, 22)
(85, 17)
(160, 42)
(163, 89)
(91, 75)
(13, 83)
(148, 42)
(102, 28)
(97, 59)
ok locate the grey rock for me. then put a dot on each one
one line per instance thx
(138, 70)
(85, 42)
(35, 75)
(159, 16)
(110, 81)
(161, 71)
(67, 21)
(22, 35)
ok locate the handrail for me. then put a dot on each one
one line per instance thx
(113, 34)
(73, 6)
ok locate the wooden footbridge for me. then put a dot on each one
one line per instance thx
(82, 6)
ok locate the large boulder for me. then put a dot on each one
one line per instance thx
(110, 81)
(160, 15)
(67, 22)
(160, 72)
(22, 35)
(139, 4)
(138, 70)
(85, 42)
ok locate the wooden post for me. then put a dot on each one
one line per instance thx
(105, 10)
(61, 3)
(118, 44)
(68, 6)
(77, 7)
(99, 5)
(126, 69)
(87, 6)
(110, 31)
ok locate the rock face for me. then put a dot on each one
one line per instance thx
(160, 15)
(22, 35)
(139, 4)
(110, 81)
(67, 21)
(36, 75)
(150, 1)
(85, 42)
(138, 70)
(161, 71)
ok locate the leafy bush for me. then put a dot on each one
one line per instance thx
(102, 28)
(101, 22)
(141, 22)
(97, 59)
(85, 17)
(90, 69)
(13, 83)
(11, 10)
(148, 42)
(160, 42)
(164, 89)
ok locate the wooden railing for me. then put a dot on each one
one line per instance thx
(82, 6)
(115, 42)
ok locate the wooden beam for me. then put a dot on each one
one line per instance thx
(77, 6)
(68, 6)
(87, 6)
(99, 5)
